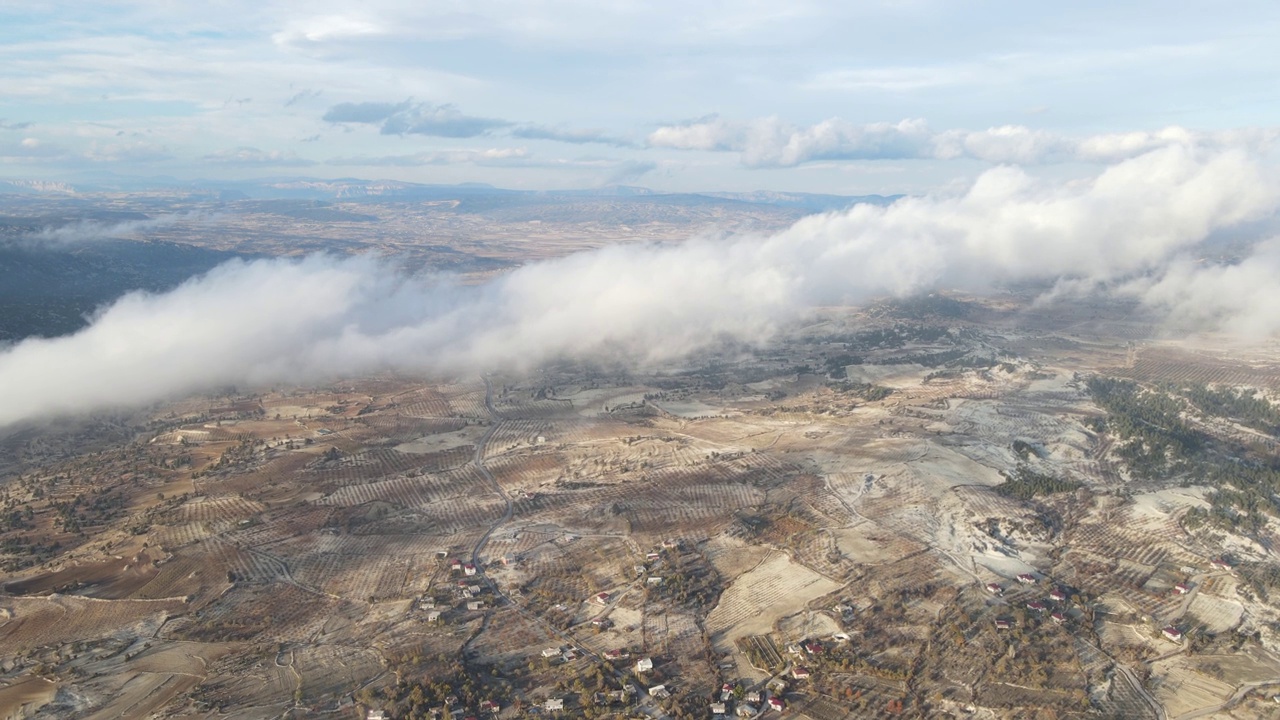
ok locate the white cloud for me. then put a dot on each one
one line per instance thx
(324, 28)
(770, 142)
(299, 320)
(708, 134)
(1240, 298)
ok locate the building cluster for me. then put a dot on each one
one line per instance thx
(748, 702)
(1057, 596)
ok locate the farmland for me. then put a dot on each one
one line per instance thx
(954, 524)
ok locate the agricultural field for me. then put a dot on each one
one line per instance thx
(899, 515)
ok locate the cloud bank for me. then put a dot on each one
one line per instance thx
(771, 142)
(1136, 224)
(82, 231)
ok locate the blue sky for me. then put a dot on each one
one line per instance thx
(842, 97)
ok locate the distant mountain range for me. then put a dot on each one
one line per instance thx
(354, 189)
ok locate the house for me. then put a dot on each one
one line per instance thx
(569, 655)
(619, 696)
(602, 598)
(433, 616)
(718, 708)
(550, 652)
(995, 588)
(1036, 606)
(1058, 595)
(475, 605)
(553, 704)
(746, 710)
(601, 622)
(1172, 633)
(653, 556)
(754, 697)
(455, 565)
(490, 706)
(800, 673)
(644, 665)
(1058, 618)
(469, 569)
(654, 580)
(776, 703)
(1027, 579)
(1182, 588)
(376, 715)
(1220, 564)
(670, 544)
(659, 691)
(1003, 623)
(813, 647)
(616, 654)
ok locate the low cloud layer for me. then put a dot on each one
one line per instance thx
(771, 142)
(82, 231)
(1135, 225)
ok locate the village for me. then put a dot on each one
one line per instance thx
(927, 532)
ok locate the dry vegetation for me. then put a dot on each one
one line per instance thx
(829, 514)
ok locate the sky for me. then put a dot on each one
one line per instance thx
(913, 96)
